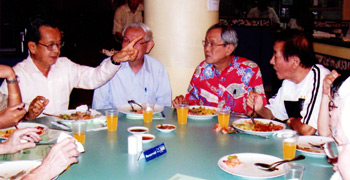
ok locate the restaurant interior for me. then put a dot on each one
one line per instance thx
(87, 25)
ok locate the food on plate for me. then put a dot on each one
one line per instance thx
(232, 161)
(145, 138)
(7, 133)
(165, 126)
(77, 116)
(201, 111)
(259, 126)
(229, 130)
(310, 149)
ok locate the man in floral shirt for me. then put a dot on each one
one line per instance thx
(222, 78)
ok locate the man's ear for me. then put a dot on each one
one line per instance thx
(150, 45)
(295, 60)
(229, 49)
(32, 47)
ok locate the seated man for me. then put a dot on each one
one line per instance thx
(142, 80)
(61, 155)
(223, 78)
(299, 97)
(11, 106)
(45, 76)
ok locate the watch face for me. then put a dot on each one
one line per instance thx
(16, 80)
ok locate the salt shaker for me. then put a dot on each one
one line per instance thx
(139, 143)
(132, 145)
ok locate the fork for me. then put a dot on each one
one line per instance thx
(252, 115)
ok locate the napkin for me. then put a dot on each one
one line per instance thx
(284, 131)
(96, 124)
(64, 135)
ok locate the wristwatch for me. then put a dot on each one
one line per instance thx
(16, 80)
(115, 63)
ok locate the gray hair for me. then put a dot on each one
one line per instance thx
(228, 34)
(144, 27)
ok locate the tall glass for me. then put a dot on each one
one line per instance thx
(289, 145)
(182, 113)
(79, 130)
(147, 111)
(112, 119)
(224, 118)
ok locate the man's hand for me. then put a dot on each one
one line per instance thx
(36, 107)
(255, 98)
(128, 53)
(179, 100)
(60, 156)
(12, 115)
(15, 142)
(328, 80)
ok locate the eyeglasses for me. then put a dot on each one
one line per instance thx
(139, 42)
(331, 105)
(50, 47)
(206, 43)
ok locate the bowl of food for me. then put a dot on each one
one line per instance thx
(165, 128)
(146, 138)
(137, 130)
(201, 112)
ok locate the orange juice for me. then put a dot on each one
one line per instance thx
(147, 116)
(289, 148)
(79, 137)
(182, 115)
(224, 119)
(112, 122)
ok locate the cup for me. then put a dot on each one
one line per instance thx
(294, 171)
(182, 113)
(147, 111)
(224, 118)
(289, 145)
(79, 130)
(112, 119)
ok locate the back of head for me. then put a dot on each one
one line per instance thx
(144, 27)
(228, 34)
(33, 33)
(296, 44)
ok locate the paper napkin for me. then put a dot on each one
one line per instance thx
(64, 135)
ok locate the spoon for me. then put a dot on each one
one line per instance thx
(273, 166)
(132, 107)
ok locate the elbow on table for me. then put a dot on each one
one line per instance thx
(306, 130)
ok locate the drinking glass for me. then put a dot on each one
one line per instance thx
(79, 130)
(289, 145)
(182, 113)
(112, 119)
(294, 171)
(224, 118)
(147, 111)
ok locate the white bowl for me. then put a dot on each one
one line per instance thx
(165, 128)
(137, 130)
(146, 138)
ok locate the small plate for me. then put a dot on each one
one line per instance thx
(247, 169)
(166, 128)
(95, 114)
(146, 138)
(11, 168)
(202, 117)
(137, 130)
(305, 148)
(238, 124)
(21, 126)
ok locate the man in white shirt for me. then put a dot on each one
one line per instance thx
(48, 79)
(142, 80)
(298, 99)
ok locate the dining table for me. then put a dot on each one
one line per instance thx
(193, 152)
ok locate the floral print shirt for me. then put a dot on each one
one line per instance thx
(209, 87)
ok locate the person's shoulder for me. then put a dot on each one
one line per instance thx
(323, 70)
(246, 62)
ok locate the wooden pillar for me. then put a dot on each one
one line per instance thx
(346, 9)
(179, 26)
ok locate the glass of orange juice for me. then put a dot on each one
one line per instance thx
(289, 145)
(182, 113)
(79, 130)
(112, 119)
(224, 117)
(147, 111)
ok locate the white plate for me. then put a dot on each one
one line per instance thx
(126, 109)
(165, 130)
(22, 125)
(248, 170)
(11, 168)
(94, 113)
(202, 117)
(265, 121)
(137, 128)
(148, 140)
(303, 141)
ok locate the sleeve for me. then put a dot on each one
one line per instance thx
(164, 90)
(101, 99)
(90, 78)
